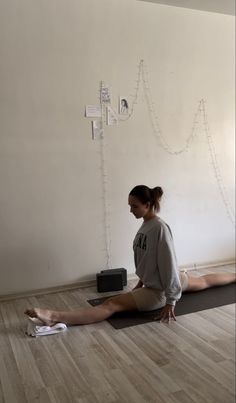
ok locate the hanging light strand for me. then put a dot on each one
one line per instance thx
(200, 114)
(155, 121)
(215, 165)
(104, 177)
(142, 76)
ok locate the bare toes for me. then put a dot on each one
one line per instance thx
(31, 313)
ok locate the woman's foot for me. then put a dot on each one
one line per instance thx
(45, 315)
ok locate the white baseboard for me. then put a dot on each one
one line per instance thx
(207, 265)
(92, 283)
(49, 290)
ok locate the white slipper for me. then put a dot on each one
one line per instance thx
(36, 328)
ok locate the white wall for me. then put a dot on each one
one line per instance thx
(54, 53)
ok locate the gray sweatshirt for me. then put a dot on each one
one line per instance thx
(155, 259)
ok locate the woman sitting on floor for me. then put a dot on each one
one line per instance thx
(160, 283)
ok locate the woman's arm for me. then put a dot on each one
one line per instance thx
(169, 273)
(167, 265)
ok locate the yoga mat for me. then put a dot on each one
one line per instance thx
(190, 302)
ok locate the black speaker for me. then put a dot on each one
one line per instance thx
(109, 282)
(119, 270)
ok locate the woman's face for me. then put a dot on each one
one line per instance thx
(138, 209)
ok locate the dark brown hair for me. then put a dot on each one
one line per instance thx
(147, 195)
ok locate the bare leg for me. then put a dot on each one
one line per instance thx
(210, 280)
(84, 316)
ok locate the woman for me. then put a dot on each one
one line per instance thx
(124, 107)
(160, 284)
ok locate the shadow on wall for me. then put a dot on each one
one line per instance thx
(35, 270)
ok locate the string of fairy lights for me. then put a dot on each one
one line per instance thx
(199, 115)
(155, 121)
(215, 165)
(104, 176)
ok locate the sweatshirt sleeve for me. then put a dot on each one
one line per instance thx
(167, 265)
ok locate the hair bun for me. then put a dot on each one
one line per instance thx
(158, 191)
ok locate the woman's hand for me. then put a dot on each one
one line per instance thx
(167, 314)
(139, 285)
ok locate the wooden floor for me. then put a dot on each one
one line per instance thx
(189, 361)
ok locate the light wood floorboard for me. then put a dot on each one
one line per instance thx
(189, 361)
